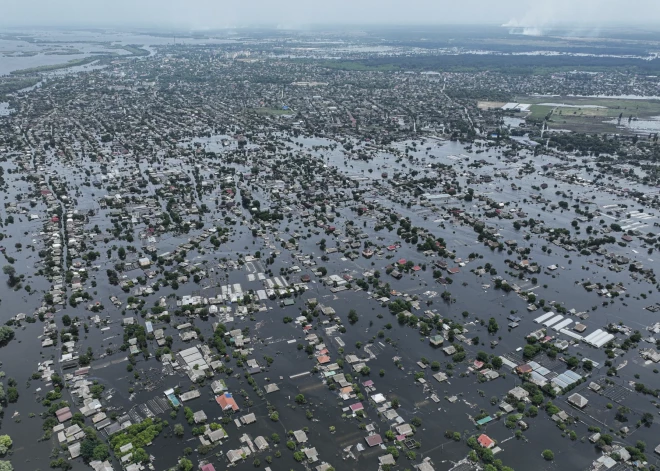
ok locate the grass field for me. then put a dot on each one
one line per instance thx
(589, 114)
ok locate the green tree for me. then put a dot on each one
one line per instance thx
(185, 464)
(548, 455)
(492, 326)
(573, 362)
(101, 452)
(12, 394)
(10, 271)
(140, 456)
(6, 334)
(5, 444)
(394, 451)
(178, 430)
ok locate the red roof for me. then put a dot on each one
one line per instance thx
(63, 414)
(226, 402)
(373, 440)
(323, 359)
(391, 247)
(416, 268)
(485, 441)
(357, 406)
(207, 467)
(402, 261)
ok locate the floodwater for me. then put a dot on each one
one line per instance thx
(650, 125)
(4, 109)
(513, 122)
(53, 50)
(270, 336)
(9, 64)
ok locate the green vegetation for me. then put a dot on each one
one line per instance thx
(139, 435)
(505, 64)
(92, 448)
(5, 444)
(589, 115)
(6, 334)
(358, 66)
(14, 84)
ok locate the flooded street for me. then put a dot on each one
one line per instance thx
(216, 255)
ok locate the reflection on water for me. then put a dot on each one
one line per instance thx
(4, 109)
(9, 64)
(640, 125)
(513, 122)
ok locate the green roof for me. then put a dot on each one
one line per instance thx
(485, 420)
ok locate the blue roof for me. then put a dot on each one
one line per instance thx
(227, 394)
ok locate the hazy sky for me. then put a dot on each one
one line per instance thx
(202, 14)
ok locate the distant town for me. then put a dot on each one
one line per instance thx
(325, 250)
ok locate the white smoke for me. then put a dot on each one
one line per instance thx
(525, 30)
(580, 16)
